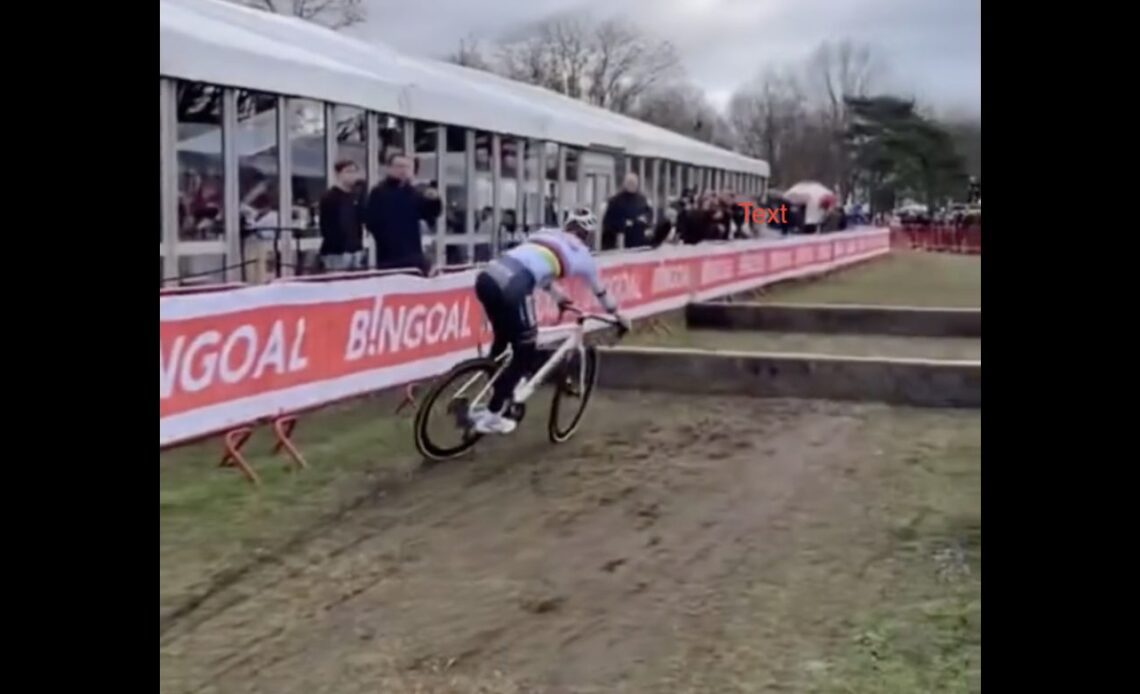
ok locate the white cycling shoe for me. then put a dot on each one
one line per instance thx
(491, 423)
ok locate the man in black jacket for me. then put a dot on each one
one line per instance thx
(737, 217)
(627, 212)
(395, 210)
(341, 220)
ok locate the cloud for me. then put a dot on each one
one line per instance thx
(932, 47)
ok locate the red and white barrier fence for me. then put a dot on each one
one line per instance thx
(938, 238)
(249, 353)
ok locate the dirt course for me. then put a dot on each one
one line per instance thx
(710, 545)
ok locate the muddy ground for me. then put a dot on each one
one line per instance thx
(705, 545)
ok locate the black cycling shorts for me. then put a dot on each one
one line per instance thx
(506, 289)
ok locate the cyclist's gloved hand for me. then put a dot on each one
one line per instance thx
(624, 324)
(563, 306)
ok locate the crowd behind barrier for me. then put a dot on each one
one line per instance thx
(940, 238)
(241, 354)
(398, 213)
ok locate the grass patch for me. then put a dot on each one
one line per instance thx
(904, 278)
(211, 520)
(925, 635)
(810, 343)
(874, 589)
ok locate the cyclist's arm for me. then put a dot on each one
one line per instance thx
(556, 294)
(594, 279)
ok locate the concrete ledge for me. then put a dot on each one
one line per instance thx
(814, 318)
(919, 382)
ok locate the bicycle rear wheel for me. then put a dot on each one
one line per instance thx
(470, 377)
(572, 391)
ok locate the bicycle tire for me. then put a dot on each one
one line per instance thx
(424, 445)
(556, 434)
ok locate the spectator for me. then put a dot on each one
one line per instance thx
(698, 223)
(738, 218)
(341, 221)
(483, 221)
(831, 221)
(258, 211)
(665, 231)
(677, 222)
(263, 218)
(550, 214)
(774, 200)
(509, 235)
(691, 226)
(395, 210)
(795, 218)
(627, 212)
(720, 217)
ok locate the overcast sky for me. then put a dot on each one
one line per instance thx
(932, 47)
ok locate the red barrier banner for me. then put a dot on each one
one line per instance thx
(938, 238)
(231, 357)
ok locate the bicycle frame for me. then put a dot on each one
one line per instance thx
(525, 389)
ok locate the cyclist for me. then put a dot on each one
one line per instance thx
(504, 287)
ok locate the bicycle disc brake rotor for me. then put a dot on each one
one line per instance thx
(570, 387)
(571, 381)
(459, 408)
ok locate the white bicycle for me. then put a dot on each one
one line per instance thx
(573, 368)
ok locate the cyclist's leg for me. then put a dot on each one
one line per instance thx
(490, 295)
(522, 331)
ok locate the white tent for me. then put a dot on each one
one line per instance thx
(816, 198)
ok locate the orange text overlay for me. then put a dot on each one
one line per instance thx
(765, 215)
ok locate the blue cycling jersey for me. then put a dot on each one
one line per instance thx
(551, 254)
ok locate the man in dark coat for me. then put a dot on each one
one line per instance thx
(395, 210)
(700, 222)
(738, 218)
(627, 212)
(341, 218)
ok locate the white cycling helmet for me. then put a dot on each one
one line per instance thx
(584, 218)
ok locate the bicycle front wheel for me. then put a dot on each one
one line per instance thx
(572, 391)
(444, 410)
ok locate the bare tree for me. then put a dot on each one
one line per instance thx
(469, 54)
(842, 69)
(684, 108)
(836, 71)
(571, 49)
(531, 61)
(335, 14)
(766, 113)
(610, 64)
(775, 119)
(627, 64)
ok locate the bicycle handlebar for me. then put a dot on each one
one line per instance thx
(584, 316)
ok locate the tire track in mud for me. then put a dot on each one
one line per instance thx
(574, 572)
(230, 576)
(212, 600)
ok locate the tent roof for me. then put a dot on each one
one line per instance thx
(224, 43)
